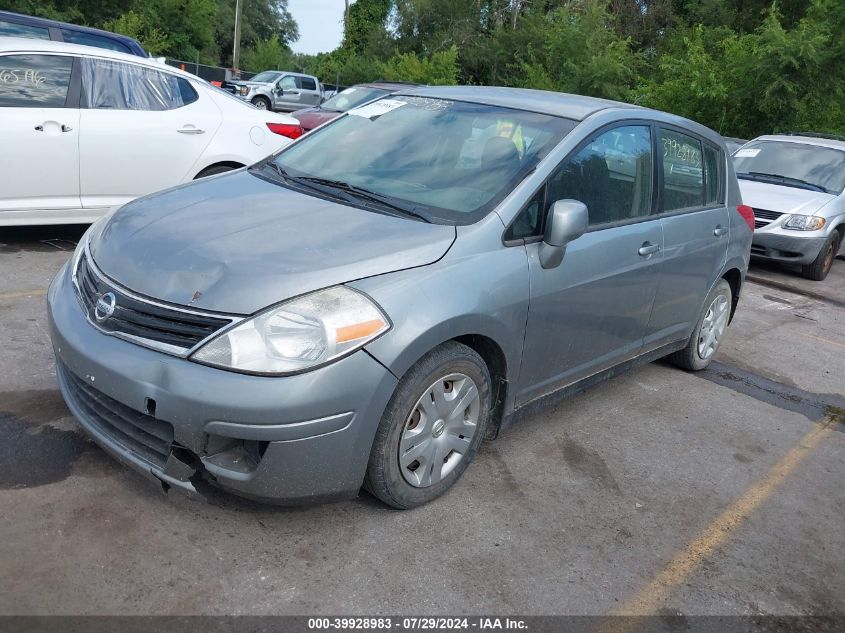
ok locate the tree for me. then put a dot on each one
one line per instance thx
(439, 69)
(268, 54)
(136, 25)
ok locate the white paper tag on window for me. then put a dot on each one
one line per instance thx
(746, 153)
(377, 108)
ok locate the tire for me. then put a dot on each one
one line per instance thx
(213, 170)
(262, 103)
(449, 368)
(697, 354)
(821, 265)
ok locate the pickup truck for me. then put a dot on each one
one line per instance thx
(279, 90)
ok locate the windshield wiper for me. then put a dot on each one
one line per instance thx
(366, 194)
(786, 180)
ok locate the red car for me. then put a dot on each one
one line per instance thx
(346, 100)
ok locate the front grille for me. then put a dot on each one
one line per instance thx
(145, 436)
(170, 329)
(764, 217)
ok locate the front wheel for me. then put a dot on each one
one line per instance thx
(261, 103)
(707, 335)
(818, 270)
(432, 427)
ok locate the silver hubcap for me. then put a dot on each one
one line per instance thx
(439, 430)
(260, 104)
(713, 327)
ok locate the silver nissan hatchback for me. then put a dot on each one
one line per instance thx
(366, 306)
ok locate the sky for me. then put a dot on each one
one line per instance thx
(320, 24)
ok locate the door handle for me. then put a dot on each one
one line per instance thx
(648, 249)
(190, 130)
(65, 128)
(719, 231)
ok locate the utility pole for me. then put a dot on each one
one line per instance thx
(236, 48)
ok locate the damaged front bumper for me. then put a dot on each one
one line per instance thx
(286, 440)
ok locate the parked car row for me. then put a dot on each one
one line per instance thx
(92, 129)
(363, 305)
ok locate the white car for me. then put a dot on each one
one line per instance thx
(85, 130)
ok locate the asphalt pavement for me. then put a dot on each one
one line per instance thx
(660, 492)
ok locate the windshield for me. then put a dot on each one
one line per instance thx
(792, 164)
(268, 76)
(353, 97)
(449, 161)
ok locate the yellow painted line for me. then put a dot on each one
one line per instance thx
(38, 292)
(822, 339)
(675, 573)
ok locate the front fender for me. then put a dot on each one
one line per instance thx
(482, 294)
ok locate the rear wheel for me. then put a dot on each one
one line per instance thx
(262, 103)
(707, 335)
(821, 265)
(431, 428)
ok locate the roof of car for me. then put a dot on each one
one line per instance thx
(821, 141)
(282, 72)
(26, 45)
(390, 86)
(46, 23)
(560, 104)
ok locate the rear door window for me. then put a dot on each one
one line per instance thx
(308, 83)
(34, 81)
(110, 85)
(89, 39)
(683, 173)
(13, 29)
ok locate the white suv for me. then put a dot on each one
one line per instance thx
(794, 183)
(86, 130)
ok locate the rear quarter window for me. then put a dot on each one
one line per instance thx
(713, 174)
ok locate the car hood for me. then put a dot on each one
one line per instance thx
(312, 117)
(763, 195)
(237, 243)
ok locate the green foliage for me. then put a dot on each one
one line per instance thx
(139, 26)
(690, 77)
(773, 79)
(742, 67)
(178, 29)
(440, 69)
(575, 49)
(269, 54)
(365, 27)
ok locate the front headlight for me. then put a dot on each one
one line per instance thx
(244, 90)
(804, 222)
(297, 335)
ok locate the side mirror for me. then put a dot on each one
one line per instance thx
(279, 90)
(567, 221)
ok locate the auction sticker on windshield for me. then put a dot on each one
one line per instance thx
(747, 153)
(377, 108)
